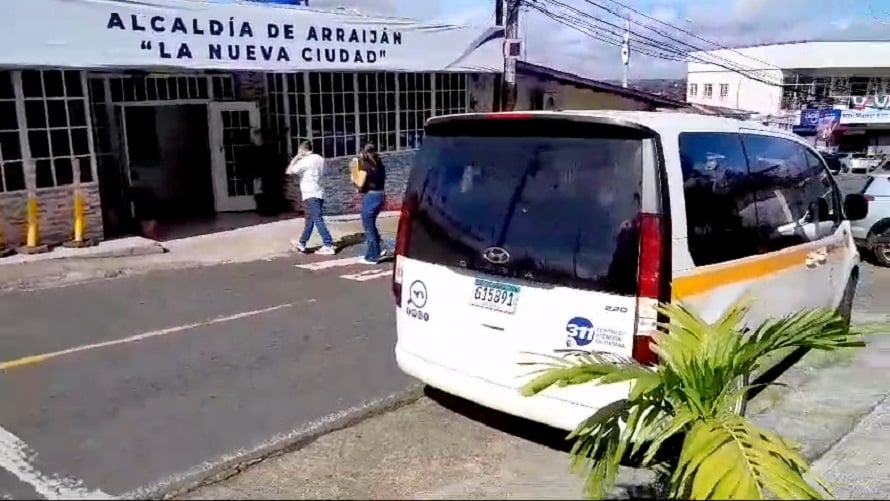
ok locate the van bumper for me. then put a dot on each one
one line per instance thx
(551, 407)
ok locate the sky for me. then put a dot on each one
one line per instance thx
(725, 22)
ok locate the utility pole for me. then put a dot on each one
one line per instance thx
(512, 51)
(625, 51)
(498, 78)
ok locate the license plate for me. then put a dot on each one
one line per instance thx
(495, 296)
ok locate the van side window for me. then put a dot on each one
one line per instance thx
(832, 204)
(720, 218)
(791, 192)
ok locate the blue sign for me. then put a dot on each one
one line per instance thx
(811, 118)
(580, 331)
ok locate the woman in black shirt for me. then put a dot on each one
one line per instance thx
(372, 202)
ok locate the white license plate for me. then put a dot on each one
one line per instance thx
(495, 296)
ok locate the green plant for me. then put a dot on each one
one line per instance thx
(680, 416)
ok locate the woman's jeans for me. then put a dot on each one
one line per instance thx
(372, 204)
(314, 209)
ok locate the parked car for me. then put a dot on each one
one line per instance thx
(833, 161)
(859, 163)
(873, 232)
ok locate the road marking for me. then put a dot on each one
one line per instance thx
(16, 458)
(33, 359)
(323, 265)
(367, 275)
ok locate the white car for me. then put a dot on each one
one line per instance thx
(540, 231)
(873, 232)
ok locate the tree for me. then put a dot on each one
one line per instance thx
(681, 417)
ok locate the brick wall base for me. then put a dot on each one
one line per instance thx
(341, 197)
(56, 209)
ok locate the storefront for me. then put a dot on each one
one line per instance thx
(98, 95)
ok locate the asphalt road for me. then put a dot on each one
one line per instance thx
(154, 376)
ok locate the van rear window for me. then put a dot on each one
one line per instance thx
(561, 199)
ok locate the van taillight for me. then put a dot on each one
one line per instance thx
(403, 237)
(648, 287)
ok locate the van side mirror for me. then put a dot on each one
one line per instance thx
(855, 206)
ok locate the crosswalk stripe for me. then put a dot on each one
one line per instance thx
(367, 275)
(323, 265)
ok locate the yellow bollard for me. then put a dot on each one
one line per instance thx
(79, 223)
(32, 241)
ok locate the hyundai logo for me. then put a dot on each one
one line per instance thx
(496, 255)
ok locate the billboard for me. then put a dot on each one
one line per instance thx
(234, 36)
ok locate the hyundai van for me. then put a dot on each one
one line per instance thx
(539, 231)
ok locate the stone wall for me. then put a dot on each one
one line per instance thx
(56, 209)
(341, 197)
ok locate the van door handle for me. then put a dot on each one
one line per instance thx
(817, 258)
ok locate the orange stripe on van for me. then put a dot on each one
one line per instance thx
(710, 277)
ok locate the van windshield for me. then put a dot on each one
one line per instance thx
(562, 201)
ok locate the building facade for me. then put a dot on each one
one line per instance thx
(167, 96)
(842, 85)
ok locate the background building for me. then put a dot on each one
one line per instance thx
(106, 96)
(800, 83)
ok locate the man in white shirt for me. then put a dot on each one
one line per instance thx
(309, 167)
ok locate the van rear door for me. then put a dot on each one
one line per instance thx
(523, 235)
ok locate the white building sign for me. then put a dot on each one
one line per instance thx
(866, 116)
(203, 35)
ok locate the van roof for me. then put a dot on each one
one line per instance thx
(664, 123)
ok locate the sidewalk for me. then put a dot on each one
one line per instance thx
(426, 450)
(136, 255)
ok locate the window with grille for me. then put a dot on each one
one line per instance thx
(56, 120)
(709, 90)
(724, 90)
(287, 108)
(127, 89)
(451, 93)
(332, 123)
(415, 107)
(377, 110)
(693, 89)
(12, 172)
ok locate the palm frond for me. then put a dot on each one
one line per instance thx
(595, 453)
(729, 458)
(584, 367)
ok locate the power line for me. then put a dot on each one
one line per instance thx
(727, 64)
(664, 51)
(669, 25)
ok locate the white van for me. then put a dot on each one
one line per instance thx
(532, 232)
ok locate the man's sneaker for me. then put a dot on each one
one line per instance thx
(327, 250)
(297, 246)
(367, 261)
(386, 255)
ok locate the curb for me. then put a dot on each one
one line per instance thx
(239, 461)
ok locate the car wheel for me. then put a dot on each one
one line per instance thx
(881, 252)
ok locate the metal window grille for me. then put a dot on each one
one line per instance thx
(332, 121)
(377, 110)
(450, 93)
(415, 107)
(12, 172)
(57, 125)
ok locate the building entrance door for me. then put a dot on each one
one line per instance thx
(232, 127)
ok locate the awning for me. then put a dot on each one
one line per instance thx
(202, 35)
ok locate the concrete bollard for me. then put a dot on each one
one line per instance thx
(79, 241)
